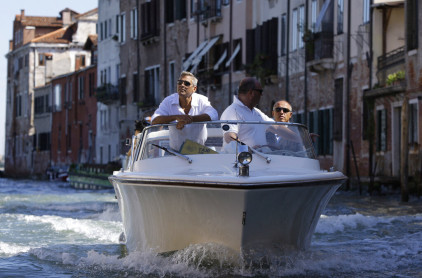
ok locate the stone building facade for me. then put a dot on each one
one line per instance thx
(42, 48)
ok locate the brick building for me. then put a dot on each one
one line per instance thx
(74, 118)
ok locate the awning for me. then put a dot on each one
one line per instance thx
(204, 51)
(382, 3)
(236, 50)
(217, 65)
(189, 60)
(376, 2)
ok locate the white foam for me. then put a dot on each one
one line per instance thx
(106, 231)
(339, 223)
(9, 249)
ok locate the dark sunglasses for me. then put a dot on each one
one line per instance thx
(184, 82)
(258, 90)
(279, 109)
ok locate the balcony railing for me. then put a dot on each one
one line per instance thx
(107, 93)
(389, 63)
(320, 46)
(212, 9)
(391, 58)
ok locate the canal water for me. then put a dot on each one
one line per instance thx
(48, 229)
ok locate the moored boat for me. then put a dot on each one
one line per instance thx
(176, 191)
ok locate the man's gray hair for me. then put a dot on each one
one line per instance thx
(187, 73)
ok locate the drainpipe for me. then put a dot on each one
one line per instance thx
(230, 49)
(305, 96)
(165, 51)
(348, 69)
(287, 50)
(369, 107)
(138, 59)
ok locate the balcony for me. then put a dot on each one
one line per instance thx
(209, 10)
(319, 51)
(389, 63)
(107, 93)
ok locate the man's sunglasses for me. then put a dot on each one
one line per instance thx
(184, 82)
(279, 109)
(259, 90)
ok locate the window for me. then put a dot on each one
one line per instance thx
(117, 72)
(381, 129)
(105, 29)
(81, 87)
(41, 59)
(121, 27)
(80, 61)
(261, 41)
(297, 117)
(91, 84)
(135, 87)
(68, 93)
(20, 62)
(134, 23)
(340, 14)
(122, 90)
(152, 85)
(366, 11)
(338, 110)
(294, 30)
(39, 105)
(150, 15)
(237, 53)
(412, 19)
(175, 10)
(47, 103)
(283, 35)
(321, 123)
(18, 105)
(58, 97)
(118, 27)
(413, 123)
(101, 32)
(314, 15)
(109, 152)
(26, 60)
(109, 28)
(44, 141)
(301, 25)
(192, 8)
(69, 138)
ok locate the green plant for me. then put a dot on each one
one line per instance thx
(257, 68)
(393, 77)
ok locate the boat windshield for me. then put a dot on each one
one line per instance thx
(218, 137)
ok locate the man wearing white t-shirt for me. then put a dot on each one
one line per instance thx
(184, 107)
(244, 108)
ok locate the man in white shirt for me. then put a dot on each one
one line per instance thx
(184, 107)
(243, 109)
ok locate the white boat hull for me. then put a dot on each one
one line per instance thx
(163, 217)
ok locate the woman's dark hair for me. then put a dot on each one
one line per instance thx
(140, 125)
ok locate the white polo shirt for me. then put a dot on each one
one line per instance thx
(251, 135)
(198, 133)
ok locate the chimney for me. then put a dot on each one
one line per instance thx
(22, 14)
(66, 17)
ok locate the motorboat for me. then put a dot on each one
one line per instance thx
(195, 186)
